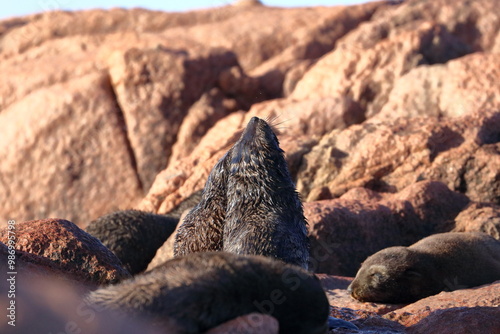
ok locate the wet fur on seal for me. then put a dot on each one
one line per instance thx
(249, 204)
(203, 290)
(133, 236)
(441, 262)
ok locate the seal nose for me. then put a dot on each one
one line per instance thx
(349, 288)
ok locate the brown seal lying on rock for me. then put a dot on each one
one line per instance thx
(440, 262)
(133, 236)
(249, 204)
(202, 290)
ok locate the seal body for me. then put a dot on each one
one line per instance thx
(440, 262)
(201, 229)
(249, 204)
(203, 290)
(264, 213)
(133, 236)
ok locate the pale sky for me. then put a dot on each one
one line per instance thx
(24, 7)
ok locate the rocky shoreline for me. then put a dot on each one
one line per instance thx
(388, 113)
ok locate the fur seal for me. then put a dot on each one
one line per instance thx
(264, 214)
(203, 290)
(133, 236)
(440, 262)
(201, 229)
(249, 204)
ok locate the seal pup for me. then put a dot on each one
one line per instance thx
(203, 290)
(264, 214)
(249, 204)
(201, 229)
(133, 236)
(440, 262)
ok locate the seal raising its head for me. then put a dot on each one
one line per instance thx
(249, 204)
(445, 261)
(264, 214)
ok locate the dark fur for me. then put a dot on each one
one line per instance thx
(203, 290)
(441, 262)
(201, 230)
(133, 236)
(187, 204)
(264, 214)
(249, 204)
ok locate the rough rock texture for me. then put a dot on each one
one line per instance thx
(345, 231)
(479, 217)
(308, 119)
(441, 311)
(483, 296)
(119, 109)
(461, 152)
(367, 322)
(69, 150)
(460, 320)
(149, 86)
(452, 89)
(36, 267)
(366, 63)
(70, 248)
(99, 98)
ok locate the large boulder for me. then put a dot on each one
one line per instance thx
(114, 95)
(463, 301)
(461, 152)
(70, 248)
(345, 231)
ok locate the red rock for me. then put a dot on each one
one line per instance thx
(471, 320)
(485, 296)
(34, 266)
(452, 89)
(211, 107)
(253, 323)
(303, 118)
(131, 76)
(279, 74)
(479, 217)
(154, 89)
(345, 231)
(70, 248)
(66, 161)
(367, 322)
(259, 33)
(367, 61)
(367, 75)
(460, 152)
